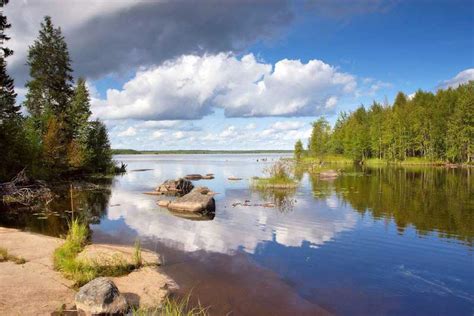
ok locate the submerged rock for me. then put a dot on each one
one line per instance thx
(175, 187)
(196, 176)
(328, 175)
(198, 200)
(100, 296)
(193, 177)
(234, 178)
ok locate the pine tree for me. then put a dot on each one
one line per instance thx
(50, 87)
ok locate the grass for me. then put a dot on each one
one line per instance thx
(332, 159)
(82, 271)
(279, 177)
(172, 307)
(5, 256)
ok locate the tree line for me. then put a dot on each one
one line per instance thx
(56, 137)
(434, 126)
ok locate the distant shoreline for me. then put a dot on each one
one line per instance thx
(190, 152)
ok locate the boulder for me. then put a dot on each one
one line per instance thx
(193, 177)
(198, 200)
(110, 255)
(175, 187)
(100, 296)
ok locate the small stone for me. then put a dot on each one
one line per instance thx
(164, 203)
(100, 296)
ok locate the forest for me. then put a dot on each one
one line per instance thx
(56, 138)
(435, 127)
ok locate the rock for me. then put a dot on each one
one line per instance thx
(100, 296)
(175, 187)
(164, 203)
(109, 255)
(198, 200)
(193, 177)
(146, 287)
(328, 175)
(234, 178)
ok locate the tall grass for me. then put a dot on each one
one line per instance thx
(279, 176)
(172, 307)
(82, 271)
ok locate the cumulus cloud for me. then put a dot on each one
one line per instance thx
(192, 86)
(462, 77)
(287, 125)
(113, 36)
(254, 227)
(128, 132)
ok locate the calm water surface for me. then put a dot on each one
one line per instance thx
(373, 242)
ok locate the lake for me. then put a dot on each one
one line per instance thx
(375, 241)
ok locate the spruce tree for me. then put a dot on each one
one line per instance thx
(79, 111)
(8, 108)
(99, 154)
(12, 144)
(50, 87)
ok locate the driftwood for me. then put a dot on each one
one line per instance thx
(25, 191)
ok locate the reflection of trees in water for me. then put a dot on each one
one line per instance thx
(90, 203)
(430, 199)
(282, 198)
(321, 188)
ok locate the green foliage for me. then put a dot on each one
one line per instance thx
(99, 155)
(298, 149)
(11, 133)
(82, 271)
(319, 141)
(57, 138)
(50, 86)
(433, 127)
(279, 176)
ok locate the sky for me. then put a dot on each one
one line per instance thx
(246, 74)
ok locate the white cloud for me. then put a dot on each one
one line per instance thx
(157, 135)
(254, 225)
(462, 77)
(287, 125)
(179, 135)
(128, 132)
(251, 126)
(190, 87)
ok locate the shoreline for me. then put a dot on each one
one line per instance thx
(41, 290)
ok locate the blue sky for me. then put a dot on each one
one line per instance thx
(247, 75)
